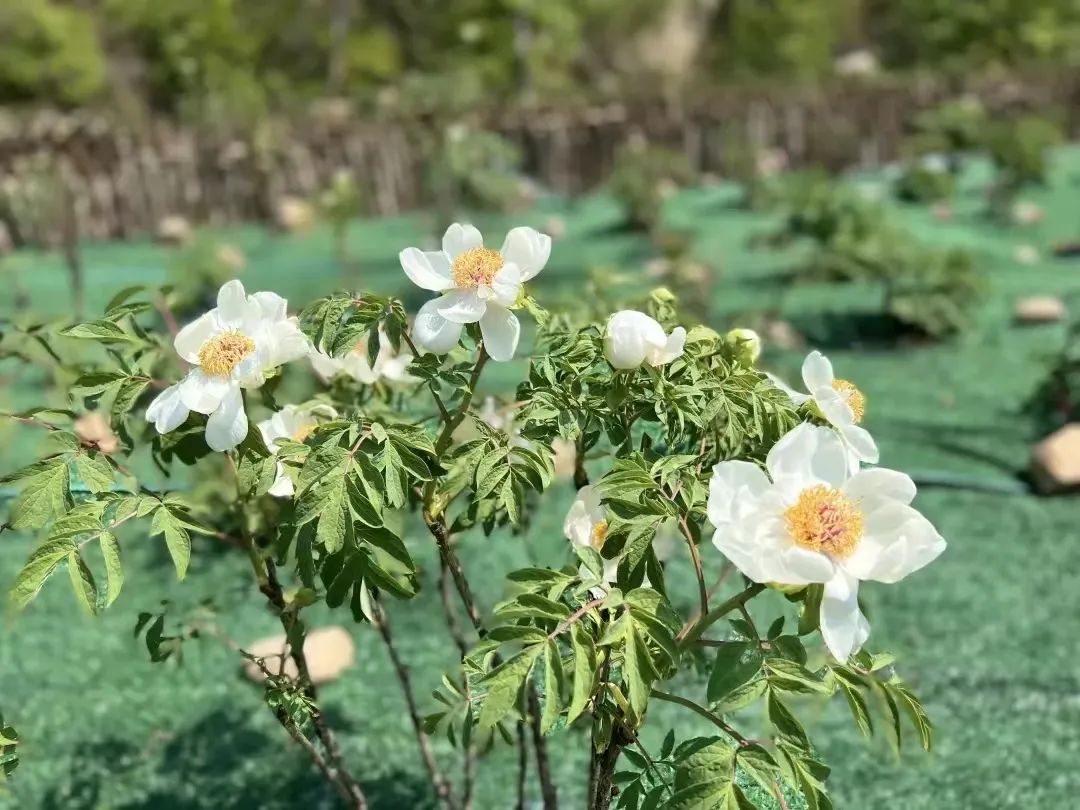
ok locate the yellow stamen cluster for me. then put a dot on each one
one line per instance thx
(825, 520)
(476, 266)
(301, 433)
(599, 535)
(222, 353)
(854, 397)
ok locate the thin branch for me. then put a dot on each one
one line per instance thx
(463, 408)
(443, 789)
(725, 572)
(715, 719)
(523, 766)
(695, 555)
(445, 414)
(548, 791)
(693, 631)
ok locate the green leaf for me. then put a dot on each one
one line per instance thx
(114, 572)
(638, 670)
(82, 582)
(101, 331)
(177, 538)
(333, 515)
(38, 568)
(757, 763)
(915, 710)
(553, 677)
(789, 676)
(585, 672)
(704, 777)
(737, 664)
(95, 471)
(785, 723)
(860, 710)
(504, 685)
(45, 495)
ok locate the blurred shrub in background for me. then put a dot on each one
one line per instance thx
(644, 176)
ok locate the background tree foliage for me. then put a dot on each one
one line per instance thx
(180, 56)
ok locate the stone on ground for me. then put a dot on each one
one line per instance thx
(329, 652)
(1055, 461)
(173, 230)
(1039, 309)
(294, 215)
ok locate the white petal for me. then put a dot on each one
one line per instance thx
(800, 566)
(881, 482)
(629, 336)
(673, 348)
(283, 485)
(461, 306)
(432, 332)
(232, 303)
(228, 425)
(501, 330)
(325, 366)
(191, 338)
(167, 411)
(202, 393)
(795, 396)
(427, 270)
(272, 306)
(898, 541)
(528, 249)
(817, 371)
(733, 483)
(459, 238)
(834, 406)
(843, 626)
(861, 443)
(286, 343)
(356, 366)
(578, 524)
(809, 454)
(506, 285)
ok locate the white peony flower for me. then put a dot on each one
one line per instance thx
(295, 423)
(633, 338)
(840, 402)
(389, 366)
(586, 524)
(811, 520)
(230, 347)
(479, 285)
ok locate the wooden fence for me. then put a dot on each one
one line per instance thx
(119, 181)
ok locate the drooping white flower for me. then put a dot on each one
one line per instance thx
(230, 347)
(389, 365)
(812, 520)
(840, 402)
(478, 285)
(632, 339)
(586, 525)
(295, 423)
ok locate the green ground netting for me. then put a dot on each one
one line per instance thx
(987, 635)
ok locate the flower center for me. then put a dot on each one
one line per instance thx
(599, 535)
(476, 266)
(221, 354)
(301, 433)
(853, 396)
(825, 520)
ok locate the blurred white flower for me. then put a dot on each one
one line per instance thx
(586, 526)
(478, 285)
(812, 520)
(840, 402)
(1026, 254)
(389, 366)
(1025, 212)
(230, 347)
(632, 339)
(502, 419)
(295, 423)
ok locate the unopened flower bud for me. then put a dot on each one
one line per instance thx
(746, 343)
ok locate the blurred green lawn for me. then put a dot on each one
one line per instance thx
(987, 635)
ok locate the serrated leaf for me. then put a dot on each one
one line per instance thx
(504, 685)
(553, 677)
(737, 664)
(101, 331)
(333, 515)
(785, 723)
(95, 471)
(45, 494)
(177, 539)
(38, 568)
(82, 582)
(114, 572)
(585, 672)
